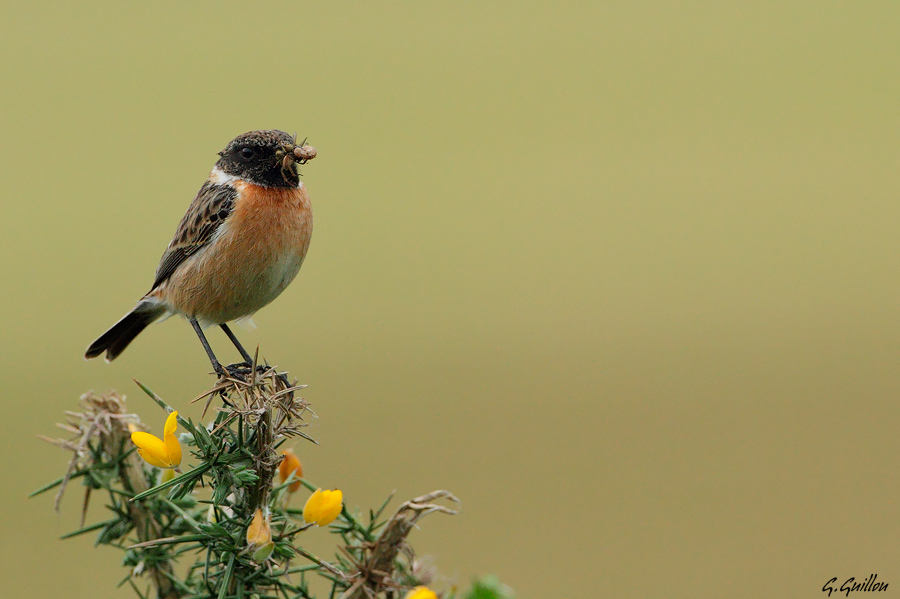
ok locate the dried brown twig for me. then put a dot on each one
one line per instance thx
(99, 434)
(102, 416)
(375, 573)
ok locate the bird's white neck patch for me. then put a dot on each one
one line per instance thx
(220, 177)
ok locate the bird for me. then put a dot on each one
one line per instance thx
(239, 245)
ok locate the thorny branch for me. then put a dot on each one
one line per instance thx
(237, 461)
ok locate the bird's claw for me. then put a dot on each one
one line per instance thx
(241, 371)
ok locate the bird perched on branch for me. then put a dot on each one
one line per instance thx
(239, 245)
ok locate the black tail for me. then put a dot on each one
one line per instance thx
(116, 339)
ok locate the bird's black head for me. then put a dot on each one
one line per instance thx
(262, 157)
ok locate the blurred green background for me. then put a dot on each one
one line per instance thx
(623, 277)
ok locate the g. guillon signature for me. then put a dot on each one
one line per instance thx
(851, 585)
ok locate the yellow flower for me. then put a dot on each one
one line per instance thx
(290, 463)
(420, 593)
(323, 507)
(259, 532)
(162, 453)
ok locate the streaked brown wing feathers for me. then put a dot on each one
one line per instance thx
(212, 206)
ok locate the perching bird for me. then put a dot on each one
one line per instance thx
(239, 245)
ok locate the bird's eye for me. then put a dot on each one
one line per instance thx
(247, 153)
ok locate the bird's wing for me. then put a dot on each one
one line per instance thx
(212, 206)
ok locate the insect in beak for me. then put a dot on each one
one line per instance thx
(290, 153)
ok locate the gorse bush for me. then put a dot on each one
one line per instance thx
(204, 510)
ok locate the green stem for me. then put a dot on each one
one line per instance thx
(226, 579)
(190, 474)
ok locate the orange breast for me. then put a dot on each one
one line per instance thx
(251, 259)
(270, 219)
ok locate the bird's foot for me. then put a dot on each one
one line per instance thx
(242, 370)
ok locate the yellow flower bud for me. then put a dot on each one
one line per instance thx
(162, 453)
(323, 507)
(290, 463)
(420, 593)
(259, 532)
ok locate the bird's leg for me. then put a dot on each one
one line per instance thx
(209, 352)
(237, 344)
(237, 372)
(249, 361)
